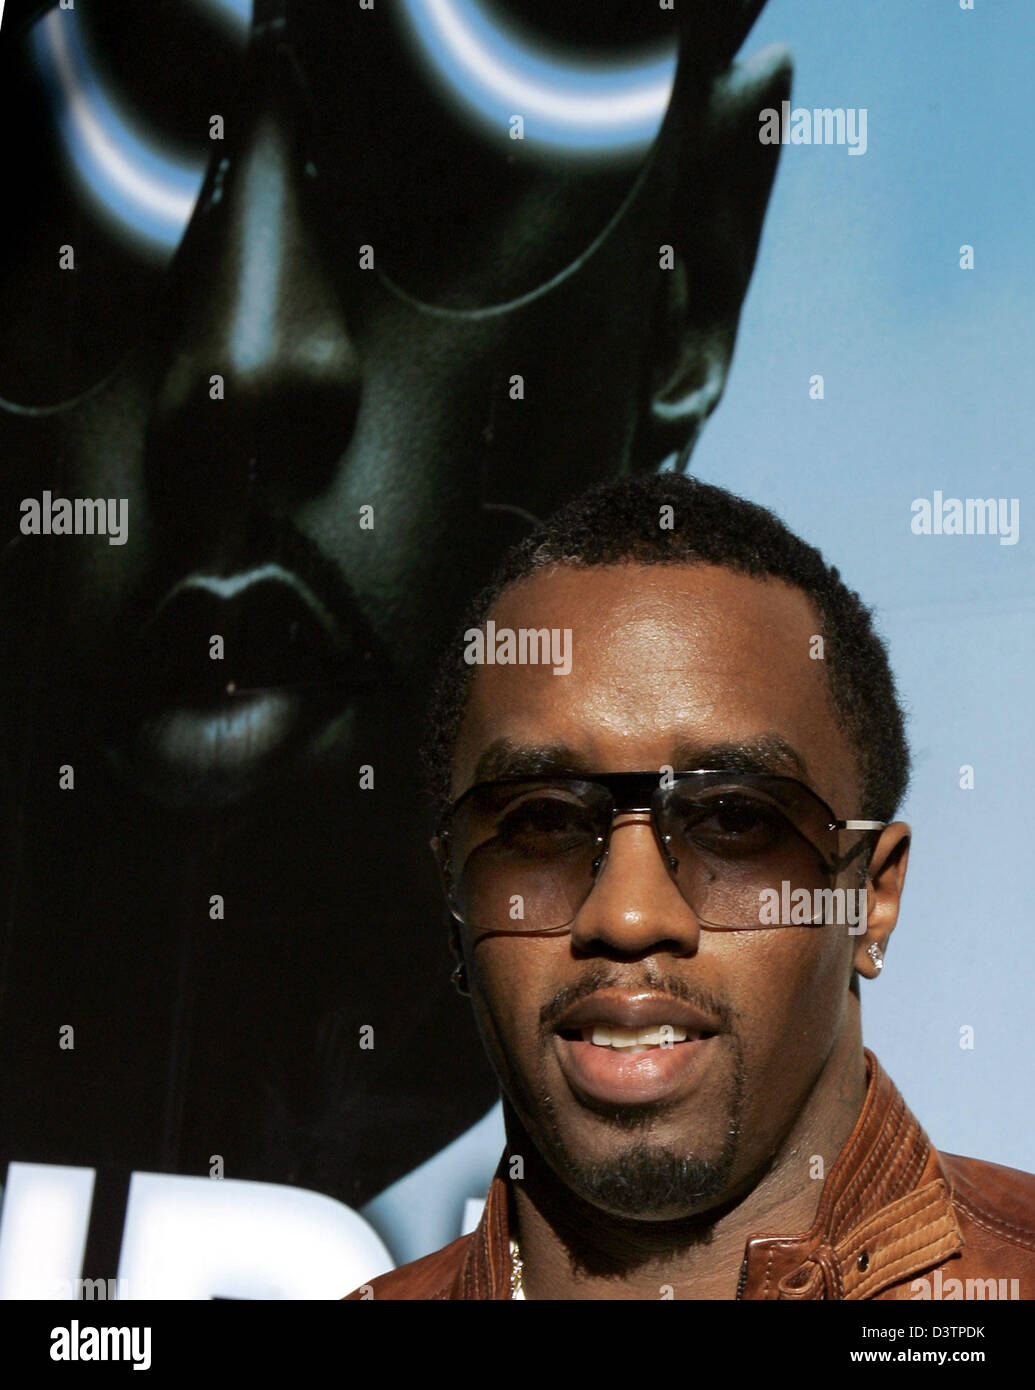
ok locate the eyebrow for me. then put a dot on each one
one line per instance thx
(768, 752)
(505, 758)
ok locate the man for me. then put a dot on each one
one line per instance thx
(275, 279)
(690, 1110)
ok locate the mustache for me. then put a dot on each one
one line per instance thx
(650, 977)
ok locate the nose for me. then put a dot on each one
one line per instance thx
(261, 380)
(635, 908)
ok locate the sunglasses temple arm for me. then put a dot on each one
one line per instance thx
(872, 828)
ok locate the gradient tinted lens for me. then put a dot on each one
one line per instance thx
(746, 851)
(109, 108)
(524, 856)
(742, 847)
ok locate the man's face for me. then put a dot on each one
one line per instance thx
(685, 667)
(365, 277)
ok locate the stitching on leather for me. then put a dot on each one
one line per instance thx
(900, 1147)
(995, 1224)
(894, 1142)
(830, 1209)
(796, 1292)
(478, 1251)
(910, 1210)
(921, 1152)
(888, 1138)
(909, 1140)
(894, 1248)
(833, 1264)
(847, 1197)
(917, 1148)
(893, 1252)
(904, 1264)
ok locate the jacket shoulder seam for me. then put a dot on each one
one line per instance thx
(1025, 1235)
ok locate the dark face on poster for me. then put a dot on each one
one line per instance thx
(324, 320)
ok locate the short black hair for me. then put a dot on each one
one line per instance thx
(620, 523)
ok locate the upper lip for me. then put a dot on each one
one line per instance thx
(288, 615)
(615, 1009)
(278, 633)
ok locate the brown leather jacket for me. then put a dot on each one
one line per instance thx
(896, 1219)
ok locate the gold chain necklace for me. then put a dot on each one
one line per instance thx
(517, 1266)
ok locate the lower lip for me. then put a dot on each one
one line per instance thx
(213, 754)
(621, 1077)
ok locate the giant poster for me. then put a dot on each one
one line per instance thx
(308, 309)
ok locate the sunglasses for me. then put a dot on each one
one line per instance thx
(402, 117)
(117, 158)
(521, 855)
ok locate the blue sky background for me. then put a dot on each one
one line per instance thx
(928, 376)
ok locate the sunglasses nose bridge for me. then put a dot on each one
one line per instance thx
(617, 813)
(620, 818)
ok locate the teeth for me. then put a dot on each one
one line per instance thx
(661, 1035)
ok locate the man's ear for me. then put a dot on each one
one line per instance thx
(459, 976)
(723, 175)
(883, 897)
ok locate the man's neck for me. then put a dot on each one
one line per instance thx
(570, 1250)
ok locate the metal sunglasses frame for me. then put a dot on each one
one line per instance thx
(637, 793)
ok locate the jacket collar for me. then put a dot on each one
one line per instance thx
(884, 1214)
